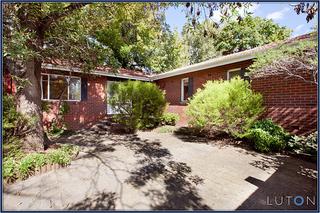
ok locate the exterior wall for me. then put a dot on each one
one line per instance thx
(85, 112)
(172, 85)
(290, 102)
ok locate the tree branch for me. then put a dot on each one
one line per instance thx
(55, 16)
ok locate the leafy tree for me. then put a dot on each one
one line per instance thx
(249, 33)
(137, 41)
(167, 53)
(34, 32)
(199, 41)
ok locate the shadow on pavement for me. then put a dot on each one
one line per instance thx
(292, 178)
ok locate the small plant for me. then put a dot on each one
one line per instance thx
(140, 105)
(267, 136)
(304, 144)
(15, 168)
(224, 106)
(169, 118)
(8, 168)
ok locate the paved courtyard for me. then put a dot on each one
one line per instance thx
(154, 171)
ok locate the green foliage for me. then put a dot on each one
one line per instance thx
(165, 129)
(224, 106)
(304, 144)
(8, 168)
(249, 33)
(199, 42)
(167, 53)
(267, 136)
(285, 51)
(169, 118)
(140, 40)
(140, 105)
(13, 125)
(21, 168)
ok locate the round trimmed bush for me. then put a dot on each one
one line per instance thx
(224, 106)
(139, 105)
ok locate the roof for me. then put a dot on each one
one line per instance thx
(229, 59)
(138, 75)
(63, 65)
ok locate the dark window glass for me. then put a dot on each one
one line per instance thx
(234, 74)
(74, 89)
(58, 87)
(45, 86)
(185, 91)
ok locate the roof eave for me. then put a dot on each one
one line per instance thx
(94, 72)
(202, 66)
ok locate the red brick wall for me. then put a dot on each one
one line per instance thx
(290, 102)
(83, 113)
(172, 85)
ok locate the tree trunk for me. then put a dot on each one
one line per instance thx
(29, 104)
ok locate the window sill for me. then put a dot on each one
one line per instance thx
(72, 101)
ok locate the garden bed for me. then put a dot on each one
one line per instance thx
(21, 168)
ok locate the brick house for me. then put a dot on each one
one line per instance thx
(290, 102)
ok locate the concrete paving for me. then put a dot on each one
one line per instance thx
(154, 171)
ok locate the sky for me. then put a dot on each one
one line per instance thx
(281, 13)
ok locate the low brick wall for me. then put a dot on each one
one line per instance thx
(290, 102)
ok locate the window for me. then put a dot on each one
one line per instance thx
(56, 87)
(184, 89)
(233, 73)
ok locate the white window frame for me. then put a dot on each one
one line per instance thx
(182, 89)
(48, 89)
(232, 70)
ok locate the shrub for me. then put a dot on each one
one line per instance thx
(140, 105)
(169, 118)
(267, 136)
(225, 106)
(304, 144)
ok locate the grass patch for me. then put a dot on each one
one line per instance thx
(21, 168)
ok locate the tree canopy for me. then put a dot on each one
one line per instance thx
(250, 32)
(199, 41)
